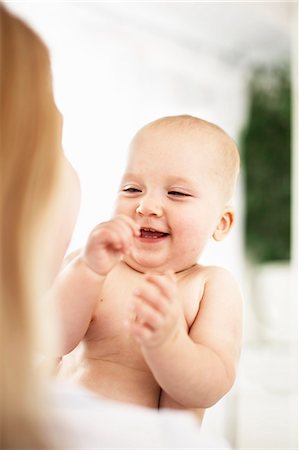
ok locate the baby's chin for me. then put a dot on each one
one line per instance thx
(146, 266)
(153, 266)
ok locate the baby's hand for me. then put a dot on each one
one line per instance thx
(108, 241)
(156, 312)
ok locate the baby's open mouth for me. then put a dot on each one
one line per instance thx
(151, 233)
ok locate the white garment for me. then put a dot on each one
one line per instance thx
(86, 421)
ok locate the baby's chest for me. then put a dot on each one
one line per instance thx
(116, 297)
(113, 309)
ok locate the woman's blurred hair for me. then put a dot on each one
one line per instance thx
(29, 160)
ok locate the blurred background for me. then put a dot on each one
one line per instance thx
(119, 65)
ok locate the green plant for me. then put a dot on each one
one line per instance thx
(266, 153)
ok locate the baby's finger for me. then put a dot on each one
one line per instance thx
(111, 238)
(140, 332)
(128, 222)
(166, 284)
(123, 233)
(147, 316)
(151, 295)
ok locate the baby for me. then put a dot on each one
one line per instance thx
(141, 321)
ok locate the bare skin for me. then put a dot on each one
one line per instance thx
(108, 361)
(141, 321)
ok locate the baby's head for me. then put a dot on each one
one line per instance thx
(201, 137)
(179, 180)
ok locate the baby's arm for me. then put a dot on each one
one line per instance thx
(77, 288)
(198, 368)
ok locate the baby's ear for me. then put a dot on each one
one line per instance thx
(224, 225)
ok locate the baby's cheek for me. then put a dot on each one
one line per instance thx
(124, 206)
(118, 207)
(192, 242)
(190, 232)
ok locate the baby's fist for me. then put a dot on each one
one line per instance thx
(108, 241)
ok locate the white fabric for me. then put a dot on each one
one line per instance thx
(86, 421)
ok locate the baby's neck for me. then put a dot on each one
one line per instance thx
(157, 271)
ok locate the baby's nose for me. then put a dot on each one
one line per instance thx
(149, 207)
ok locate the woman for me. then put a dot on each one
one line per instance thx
(33, 172)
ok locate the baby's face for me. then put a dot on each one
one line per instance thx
(170, 189)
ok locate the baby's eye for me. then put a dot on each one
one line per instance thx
(178, 194)
(131, 190)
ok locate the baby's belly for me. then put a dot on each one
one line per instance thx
(118, 375)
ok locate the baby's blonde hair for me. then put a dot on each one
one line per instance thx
(29, 159)
(227, 152)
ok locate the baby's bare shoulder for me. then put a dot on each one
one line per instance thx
(212, 274)
(206, 274)
(218, 324)
(221, 277)
(217, 285)
(221, 291)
